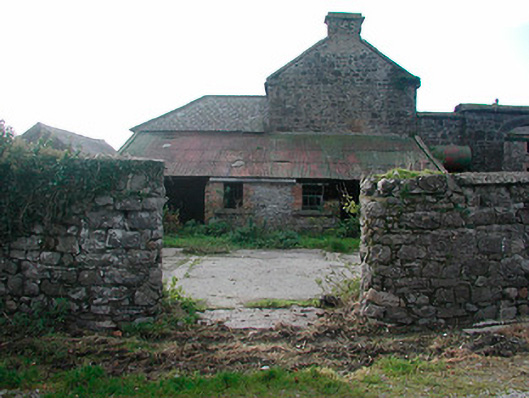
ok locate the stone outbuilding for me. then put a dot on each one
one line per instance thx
(61, 139)
(338, 112)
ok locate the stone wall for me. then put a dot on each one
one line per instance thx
(103, 259)
(445, 249)
(484, 128)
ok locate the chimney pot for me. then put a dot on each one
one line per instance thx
(343, 23)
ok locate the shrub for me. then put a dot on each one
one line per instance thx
(171, 220)
(349, 228)
(283, 239)
(38, 320)
(218, 228)
(249, 233)
(193, 227)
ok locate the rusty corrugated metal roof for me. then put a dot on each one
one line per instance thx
(278, 155)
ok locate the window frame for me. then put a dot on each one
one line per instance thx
(312, 196)
(233, 197)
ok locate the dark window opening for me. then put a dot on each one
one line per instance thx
(186, 197)
(527, 147)
(317, 193)
(312, 196)
(233, 195)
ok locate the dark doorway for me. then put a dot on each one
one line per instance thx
(186, 194)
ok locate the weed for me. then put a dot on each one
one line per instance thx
(171, 220)
(93, 382)
(216, 238)
(218, 228)
(281, 303)
(192, 265)
(21, 378)
(397, 367)
(329, 243)
(193, 227)
(38, 320)
(343, 284)
(178, 310)
(406, 174)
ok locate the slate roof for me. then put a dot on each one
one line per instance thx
(62, 139)
(278, 155)
(213, 113)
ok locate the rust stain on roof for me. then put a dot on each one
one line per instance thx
(278, 155)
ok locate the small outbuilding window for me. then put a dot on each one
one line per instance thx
(312, 196)
(233, 195)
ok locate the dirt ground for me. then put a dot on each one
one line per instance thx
(337, 341)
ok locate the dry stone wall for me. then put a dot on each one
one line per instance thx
(445, 249)
(103, 259)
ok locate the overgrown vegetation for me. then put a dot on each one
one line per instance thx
(343, 285)
(221, 237)
(40, 185)
(332, 359)
(281, 303)
(404, 174)
(178, 310)
(35, 320)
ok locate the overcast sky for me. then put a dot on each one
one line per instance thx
(98, 68)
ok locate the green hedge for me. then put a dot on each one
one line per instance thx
(39, 185)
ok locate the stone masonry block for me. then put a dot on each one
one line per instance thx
(142, 220)
(68, 244)
(134, 204)
(50, 258)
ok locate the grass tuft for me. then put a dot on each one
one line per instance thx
(281, 303)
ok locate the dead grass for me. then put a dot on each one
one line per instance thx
(385, 363)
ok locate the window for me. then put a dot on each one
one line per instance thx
(233, 195)
(312, 197)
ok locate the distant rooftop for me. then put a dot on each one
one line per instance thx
(494, 107)
(62, 139)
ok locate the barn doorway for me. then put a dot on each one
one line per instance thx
(186, 194)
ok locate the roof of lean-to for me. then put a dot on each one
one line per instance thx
(278, 155)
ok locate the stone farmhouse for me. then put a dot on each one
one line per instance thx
(335, 114)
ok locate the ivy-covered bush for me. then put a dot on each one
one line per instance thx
(40, 185)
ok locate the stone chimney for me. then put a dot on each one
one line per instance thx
(344, 24)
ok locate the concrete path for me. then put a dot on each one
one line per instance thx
(231, 280)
